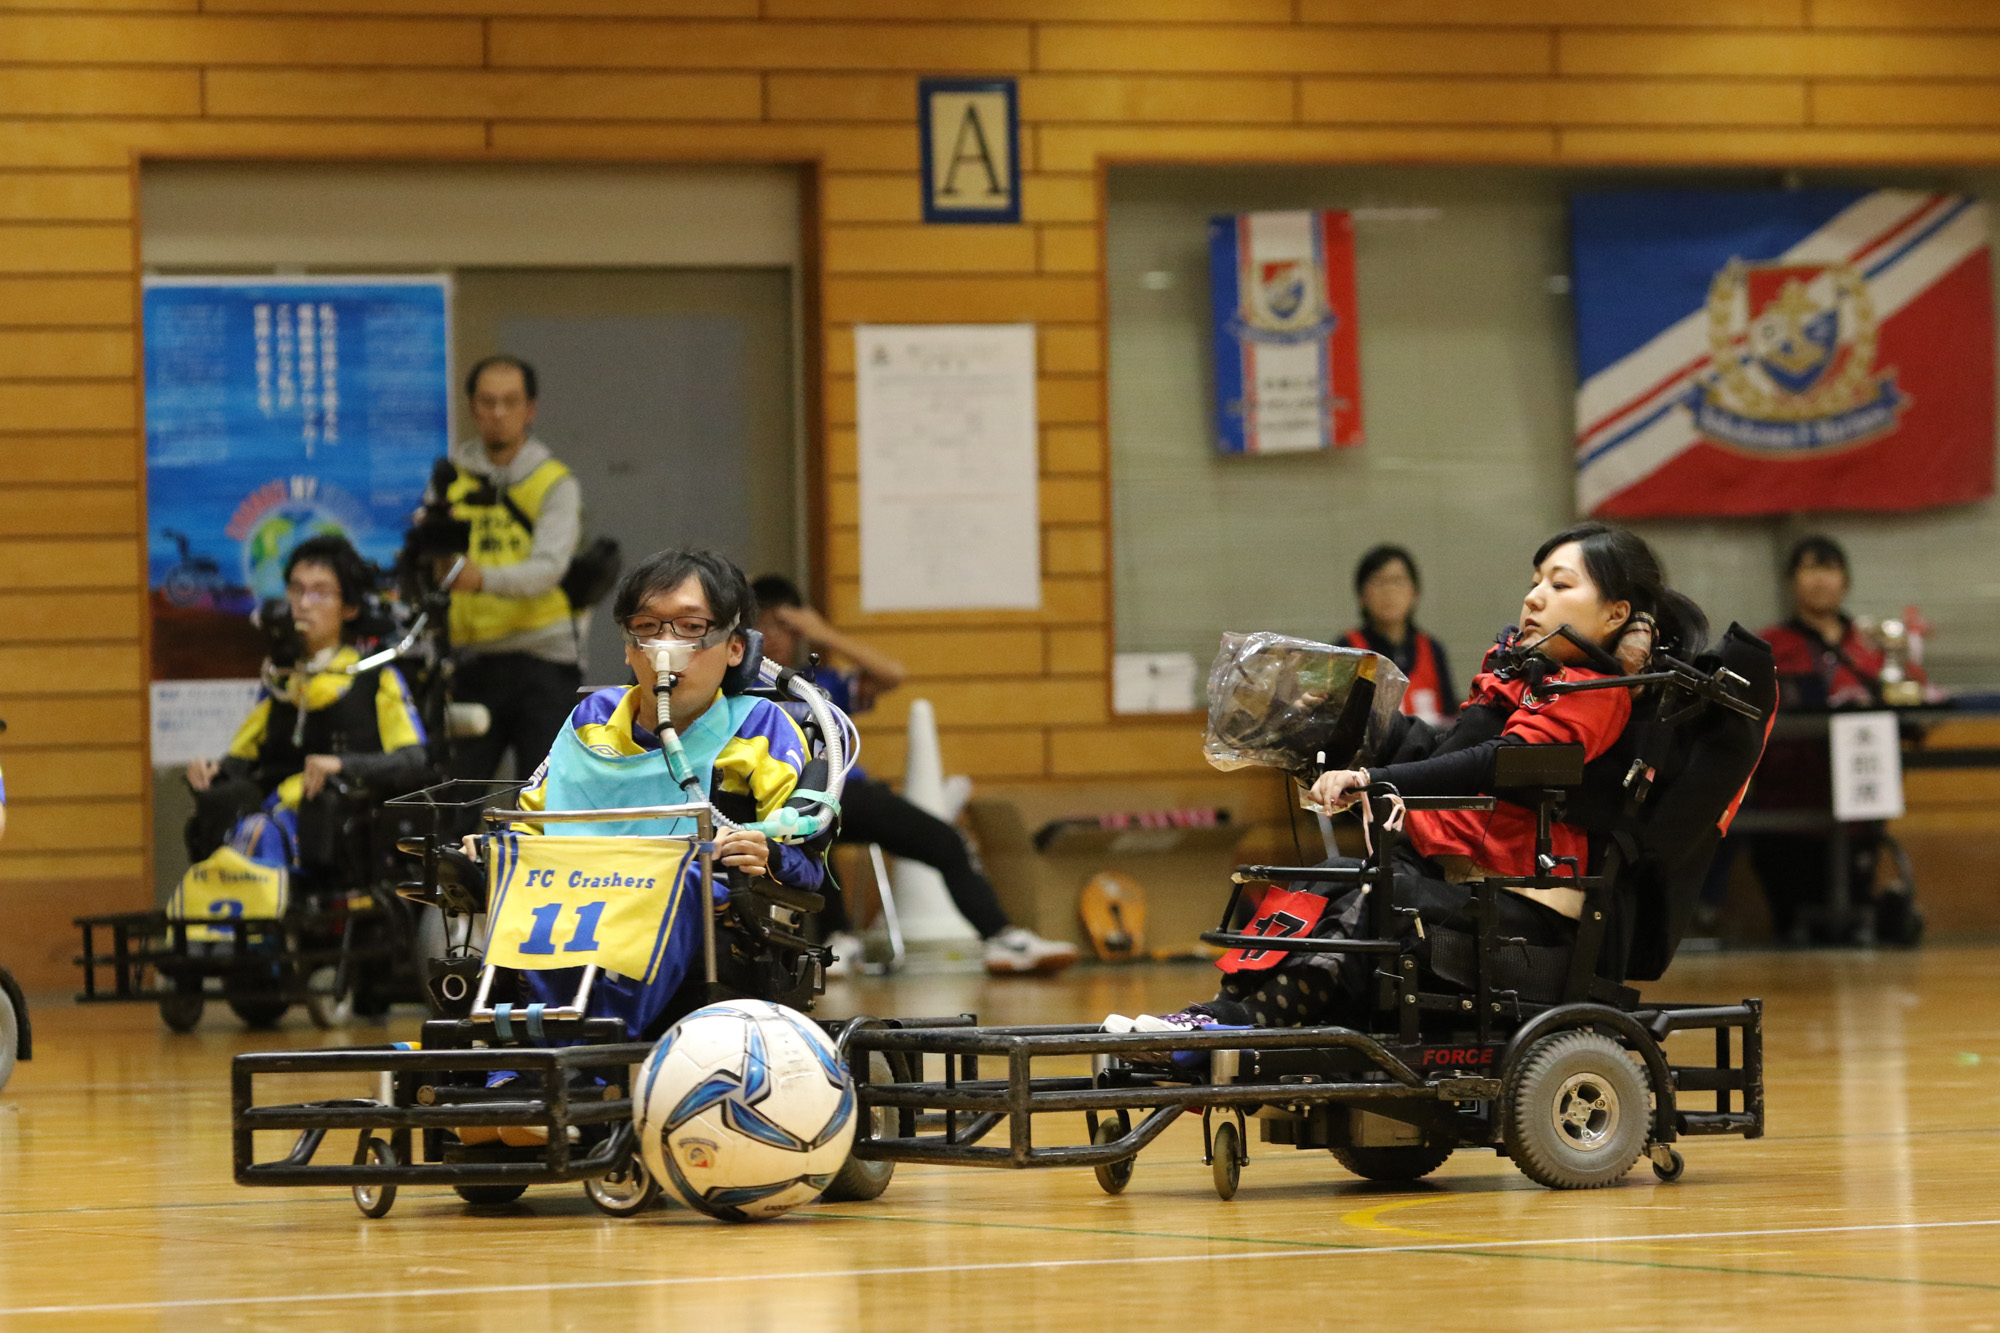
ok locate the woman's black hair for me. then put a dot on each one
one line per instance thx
(1376, 557)
(337, 554)
(1818, 549)
(1626, 569)
(722, 583)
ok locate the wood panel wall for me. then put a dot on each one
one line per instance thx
(88, 89)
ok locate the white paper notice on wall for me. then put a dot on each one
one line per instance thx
(950, 512)
(196, 719)
(1867, 766)
(1152, 683)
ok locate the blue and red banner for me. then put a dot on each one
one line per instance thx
(1765, 353)
(1287, 346)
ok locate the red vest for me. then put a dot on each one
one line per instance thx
(1425, 697)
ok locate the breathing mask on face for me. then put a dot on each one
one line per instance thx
(671, 655)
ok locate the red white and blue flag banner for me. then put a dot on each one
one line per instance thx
(1287, 348)
(1766, 353)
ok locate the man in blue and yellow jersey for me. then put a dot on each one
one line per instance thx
(513, 631)
(325, 720)
(747, 753)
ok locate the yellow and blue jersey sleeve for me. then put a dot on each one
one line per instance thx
(249, 739)
(764, 760)
(396, 719)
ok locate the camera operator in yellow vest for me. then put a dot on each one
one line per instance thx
(513, 631)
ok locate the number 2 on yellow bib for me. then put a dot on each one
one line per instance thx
(542, 938)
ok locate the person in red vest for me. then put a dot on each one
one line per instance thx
(1387, 586)
(1824, 662)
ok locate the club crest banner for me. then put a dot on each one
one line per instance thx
(1764, 353)
(1287, 347)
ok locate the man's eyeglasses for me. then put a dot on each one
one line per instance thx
(307, 596)
(692, 629)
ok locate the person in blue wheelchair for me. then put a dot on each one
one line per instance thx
(316, 724)
(747, 754)
(1597, 606)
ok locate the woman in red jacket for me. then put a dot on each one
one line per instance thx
(1607, 586)
(1387, 586)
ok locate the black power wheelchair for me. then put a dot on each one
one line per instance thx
(1544, 1054)
(344, 944)
(572, 1073)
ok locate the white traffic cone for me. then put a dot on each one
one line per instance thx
(922, 901)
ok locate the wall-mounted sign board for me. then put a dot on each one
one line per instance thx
(972, 149)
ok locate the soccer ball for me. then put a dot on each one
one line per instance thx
(744, 1110)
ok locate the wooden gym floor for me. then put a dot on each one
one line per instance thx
(1875, 1201)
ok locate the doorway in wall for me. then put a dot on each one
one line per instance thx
(669, 392)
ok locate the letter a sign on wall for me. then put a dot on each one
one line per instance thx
(972, 160)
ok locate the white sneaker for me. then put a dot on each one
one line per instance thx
(846, 946)
(1018, 949)
(1117, 1023)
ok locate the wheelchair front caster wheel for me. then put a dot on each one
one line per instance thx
(374, 1200)
(1113, 1177)
(1226, 1160)
(326, 1005)
(626, 1192)
(182, 1011)
(489, 1196)
(1667, 1163)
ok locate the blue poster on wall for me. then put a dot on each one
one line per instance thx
(276, 411)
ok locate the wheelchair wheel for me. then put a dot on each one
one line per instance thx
(626, 1192)
(259, 1015)
(1113, 1177)
(859, 1181)
(489, 1196)
(375, 1200)
(10, 1036)
(326, 1009)
(181, 1011)
(1577, 1111)
(1404, 1162)
(1226, 1149)
(1668, 1165)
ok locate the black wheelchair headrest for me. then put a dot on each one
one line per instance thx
(743, 676)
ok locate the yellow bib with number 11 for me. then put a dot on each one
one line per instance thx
(572, 902)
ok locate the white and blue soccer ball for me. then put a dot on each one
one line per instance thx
(744, 1110)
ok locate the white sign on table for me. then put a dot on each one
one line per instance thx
(1867, 766)
(950, 512)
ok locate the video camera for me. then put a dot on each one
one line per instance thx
(436, 535)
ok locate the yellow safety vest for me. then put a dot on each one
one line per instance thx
(499, 539)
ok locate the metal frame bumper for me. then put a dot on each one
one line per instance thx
(420, 1100)
(1255, 1068)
